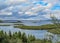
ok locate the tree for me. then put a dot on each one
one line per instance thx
(31, 38)
(54, 20)
(10, 35)
(19, 34)
(24, 38)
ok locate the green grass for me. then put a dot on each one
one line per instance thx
(4, 25)
(50, 27)
(55, 31)
(42, 27)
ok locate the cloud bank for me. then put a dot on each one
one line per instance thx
(30, 9)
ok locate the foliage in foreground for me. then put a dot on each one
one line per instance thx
(16, 37)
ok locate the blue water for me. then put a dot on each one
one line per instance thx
(37, 23)
(37, 33)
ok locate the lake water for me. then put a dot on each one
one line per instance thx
(37, 33)
(40, 34)
(36, 22)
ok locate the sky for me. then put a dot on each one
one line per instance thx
(29, 9)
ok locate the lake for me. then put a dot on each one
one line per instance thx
(39, 34)
(36, 22)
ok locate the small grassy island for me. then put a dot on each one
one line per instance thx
(42, 27)
(50, 27)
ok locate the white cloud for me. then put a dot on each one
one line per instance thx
(17, 0)
(34, 10)
(30, 13)
(5, 13)
(29, 8)
(56, 13)
(52, 1)
(47, 16)
(20, 13)
(49, 5)
(7, 9)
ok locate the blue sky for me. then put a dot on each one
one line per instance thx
(29, 9)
